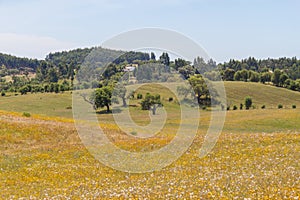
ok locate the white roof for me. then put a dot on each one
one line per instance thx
(129, 69)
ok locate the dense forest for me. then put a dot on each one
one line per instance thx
(11, 65)
(56, 73)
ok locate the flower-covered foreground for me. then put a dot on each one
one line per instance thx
(43, 158)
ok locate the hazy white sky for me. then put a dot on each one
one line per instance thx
(225, 28)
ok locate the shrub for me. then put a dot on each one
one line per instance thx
(69, 107)
(3, 94)
(241, 106)
(24, 89)
(170, 99)
(248, 102)
(263, 106)
(26, 114)
(204, 108)
(228, 107)
(280, 106)
(234, 107)
(294, 106)
(133, 133)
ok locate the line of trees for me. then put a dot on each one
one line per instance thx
(282, 72)
(277, 78)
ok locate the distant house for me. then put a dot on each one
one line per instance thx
(130, 68)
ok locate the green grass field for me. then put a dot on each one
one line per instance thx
(256, 156)
(261, 94)
(50, 104)
(47, 104)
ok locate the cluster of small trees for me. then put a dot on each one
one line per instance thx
(152, 72)
(132, 56)
(4, 71)
(278, 78)
(201, 90)
(51, 87)
(25, 85)
(288, 65)
(106, 95)
(282, 72)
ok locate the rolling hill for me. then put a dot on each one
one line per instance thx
(261, 94)
(255, 156)
(56, 104)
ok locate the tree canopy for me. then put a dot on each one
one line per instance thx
(102, 97)
(151, 102)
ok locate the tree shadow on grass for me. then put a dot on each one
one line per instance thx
(113, 111)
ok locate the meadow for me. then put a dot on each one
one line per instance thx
(256, 157)
(60, 105)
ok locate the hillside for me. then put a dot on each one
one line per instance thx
(261, 94)
(56, 104)
(10, 65)
(43, 158)
(49, 157)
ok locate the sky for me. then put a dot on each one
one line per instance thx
(226, 29)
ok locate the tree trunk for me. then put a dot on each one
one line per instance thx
(124, 102)
(154, 109)
(199, 99)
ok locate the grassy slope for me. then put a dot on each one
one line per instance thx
(55, 104)
(261, 94)
(48, 104)
(43, 157)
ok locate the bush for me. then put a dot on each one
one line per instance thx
(228, 107)
(133, 133)
(26, 114)
(2, 94)
(280, 106)
(23, 90)
(241, 106)
(204, 108)
(248, 102)
(56, 88)
(263, 106)
(234, 107)
(170, 99)
(139, 96)
(294, 106)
